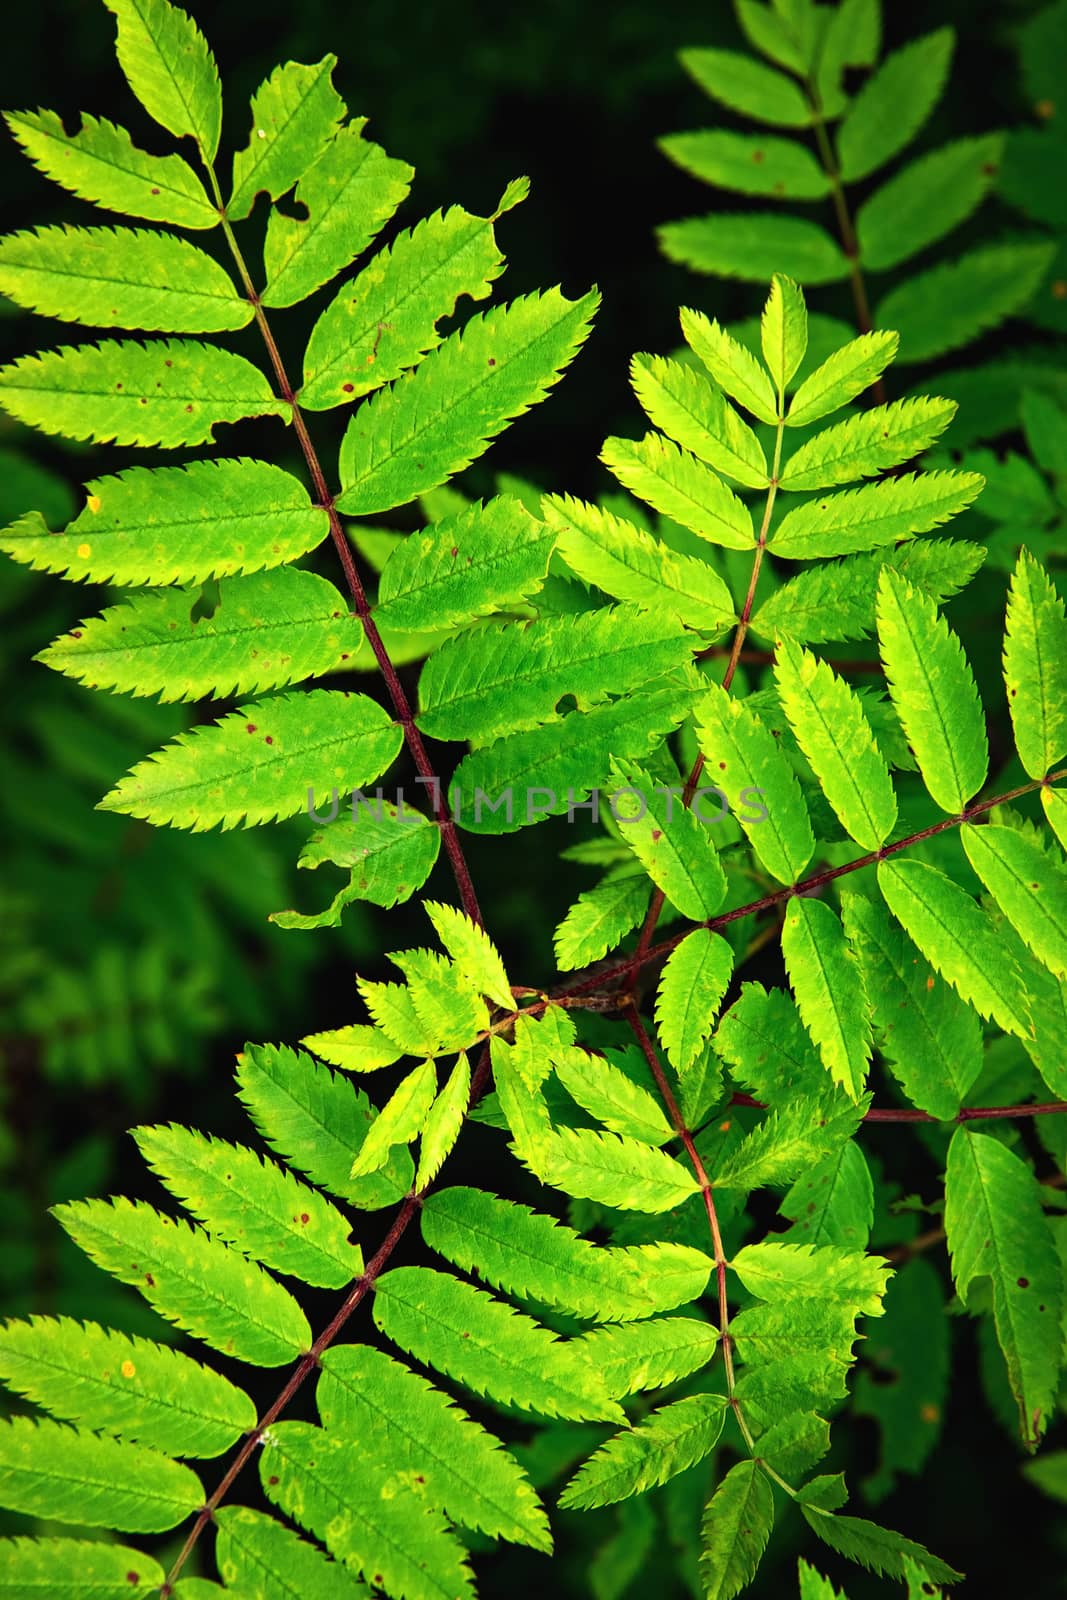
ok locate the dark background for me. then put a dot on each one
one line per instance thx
(471, 94)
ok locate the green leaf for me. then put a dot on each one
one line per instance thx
(261, 762)
(75, 1567)
(531, 1255)
(108, 1381)
(931, 1040)
(926, 200)
(934, 693)
(402, 1420)
(268, 630)
(734, 368)
(600, 918)
(390, 854)
(773, 1271)
(842, 376)
(400, 1119)
(1035, 667)
(630, 564)
(472, 950)
(777, 169)
(768, 1048)
(496, 680)
(813, 1586)
(170, 69)
(666, 1442)
(734, 1532)
(257, 1554)
(317, 1121)
(485, 559)
(753, 246)
(254, 1205)
(386, 319)
(368, 1519)
(951, 304)
(166, 392)
(443, 1123)
(833, 1201)
(836, 599)
(52, 1471)
(487, 1346)
(780, 34)
(684, 405)
(444, 999)
(827, 716)
(294, 113)
(784, 330)
(1054, 802)
(525, 777)
(747, 86)
(695, 977)
(1027, 884)
(164, 525)
(677, 485)
(102, 164)
(958, 939)
(200, 1284)
(357, 1047)
(790, 1141)
(120, 278)
(867, 444)
(609, 1095)
(674, 848)
(828, 985)
(877, 1549)
(650, 1355)
(893, 104)
(349, 192)
(611, 1169)
(744, 760)
(877, 514)
(436, 420)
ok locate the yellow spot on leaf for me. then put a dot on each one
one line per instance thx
(929, 1412)
(93, 502)
(128, 1369)
(85, 551)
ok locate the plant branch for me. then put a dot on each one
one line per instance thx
(909, 1114)
(361, 605)
(699, 1172)
(625, 965)
(652, 917)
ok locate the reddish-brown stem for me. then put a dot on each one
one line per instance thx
(300, 1373)
(401, 705)
(678, 1122)
(626, 964)
(907, 1114)
(849, 242)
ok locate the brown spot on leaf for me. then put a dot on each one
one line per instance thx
(148, 1278)
(492, 361)
(268, 739)
(250, 727)
(349, 388)
(1024, 1283)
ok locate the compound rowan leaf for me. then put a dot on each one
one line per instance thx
(996, 1229)
(958, 939)
(259, 763)
(734, 1532)
(294, 113)
(695, 978)
(488, 1346)
(934, 692)
(1035, 667)
(627, 562)
(830, 995)
(101, 163)
(268, 630)
(170, 69)
(162, 525)
(828, 719)
(439, 418)
(386, 319)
